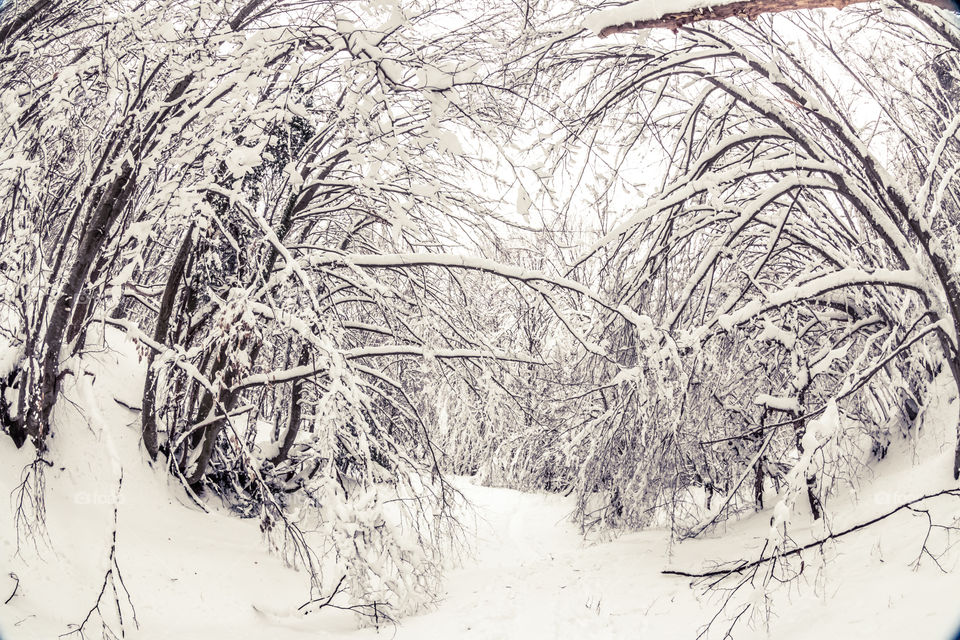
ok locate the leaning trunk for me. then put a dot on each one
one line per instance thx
(111, 204)
(293, 425)
(149, 413)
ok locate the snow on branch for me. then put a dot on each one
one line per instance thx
(778, 403)
(673, 14)
(484, 265)
(305, 371)
(739, 568)
(824, 284)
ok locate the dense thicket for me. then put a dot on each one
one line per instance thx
(239, 187)
(363, 246)
(794, 250)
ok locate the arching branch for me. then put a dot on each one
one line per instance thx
(645, 15)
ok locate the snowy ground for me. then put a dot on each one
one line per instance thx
(193, 575)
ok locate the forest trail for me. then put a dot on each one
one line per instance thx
(530, 575)
(272, 271)
(533, 576)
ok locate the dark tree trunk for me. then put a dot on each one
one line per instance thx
(9, 29)
(293, 425)
(954, 363)
(91, 244)
(7, 422)
(816, 508)
(77, 331)
(149, 413)
(207, 437)
(758, 484)
(758, 470)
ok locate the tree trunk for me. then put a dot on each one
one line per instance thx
(293, 425)
(7, 422)
(758, 485)
(149, 415)
(110, 205)
(21, 20)
(954, 363)
(77, 331)
(758, 470)
(816, 508)
(208, 436)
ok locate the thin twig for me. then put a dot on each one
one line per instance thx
(15, 587)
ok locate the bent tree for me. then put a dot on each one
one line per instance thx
(797, 260)
(265, 197)
(269, 199)
(273, 200)
(785, 242)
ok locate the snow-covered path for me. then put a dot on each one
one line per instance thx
(533, 577)
(196, 576)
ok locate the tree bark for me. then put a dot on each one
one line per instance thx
(293, 424)
(758, 477)
(954, 364)
(9, 29)
(816, 508)
(12, 426)
(208, 436)
(148, 418)
(750, 9)
(38, 417)
(108, 208)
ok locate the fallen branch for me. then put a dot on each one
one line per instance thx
(362, 608)
(112, 578)
(324, 602)
(127, 405)
(743, 566)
